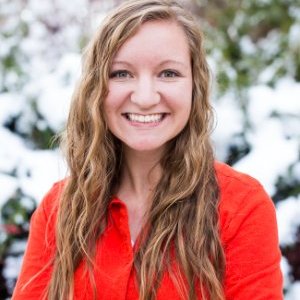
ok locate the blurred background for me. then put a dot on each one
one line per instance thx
(253, 48)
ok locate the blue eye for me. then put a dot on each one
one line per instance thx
(169, 74)
(119, 74)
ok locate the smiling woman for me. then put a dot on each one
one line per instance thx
(146, 212)
(150, 87)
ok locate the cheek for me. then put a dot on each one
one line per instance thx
(113, 101)
(181, 100)
(110, 110)
(188, 96)
(118, 92)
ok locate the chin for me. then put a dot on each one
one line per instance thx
(145, 147)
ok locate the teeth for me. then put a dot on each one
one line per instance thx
(145, 119)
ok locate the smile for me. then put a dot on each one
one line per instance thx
(151, 118)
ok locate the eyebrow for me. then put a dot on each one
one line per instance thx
(168, 61)
(171, 61)
(121, 62)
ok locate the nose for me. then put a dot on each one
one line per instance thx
(144, 93)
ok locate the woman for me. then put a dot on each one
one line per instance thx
(146, 212)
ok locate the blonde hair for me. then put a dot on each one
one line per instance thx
(183, 218)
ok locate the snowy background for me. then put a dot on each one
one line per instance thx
(254, 54)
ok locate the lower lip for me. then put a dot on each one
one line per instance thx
(146, 125)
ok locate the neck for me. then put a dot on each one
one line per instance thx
(140, 174)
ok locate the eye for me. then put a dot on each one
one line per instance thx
(120, 74)
(169, 74)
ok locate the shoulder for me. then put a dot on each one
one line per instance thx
(235, 186)
(47, 209)
(242, 200)
(229, 178)
(51, 198)
(43, 220)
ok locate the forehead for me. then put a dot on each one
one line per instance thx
(159, 38)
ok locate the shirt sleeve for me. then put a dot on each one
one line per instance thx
(36, 267)
(252, 250)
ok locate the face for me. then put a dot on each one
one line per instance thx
(150, 87)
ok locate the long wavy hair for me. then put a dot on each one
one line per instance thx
(183, 219)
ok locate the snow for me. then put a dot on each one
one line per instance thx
(285, 269)
(10, 183)
(45, 167)
(263, 161)
(10, 105)
(294, 11)
(288, 212)
(287, 97)
(269, 45)
(36, 170)
(53, 91)
(296, 170)
(269, 73)
(294, 36)
(18, 247)
(12, 268)
(271, 135)
(11, 153)
(294, 292)
(274, 114)
(228, 123)
(261, 104)
(247, 46)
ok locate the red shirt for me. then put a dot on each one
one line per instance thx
(248, 232)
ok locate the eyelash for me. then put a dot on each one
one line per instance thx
(172, 72)
(117, 73)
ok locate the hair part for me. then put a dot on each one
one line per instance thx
(183, 218)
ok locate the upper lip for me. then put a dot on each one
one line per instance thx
(154, 113)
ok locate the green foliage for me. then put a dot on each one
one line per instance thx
(12, 58)
(37, 133)
(247, 37)
(288, 185)
(15, 216)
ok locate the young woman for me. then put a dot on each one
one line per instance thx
(146, 212)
